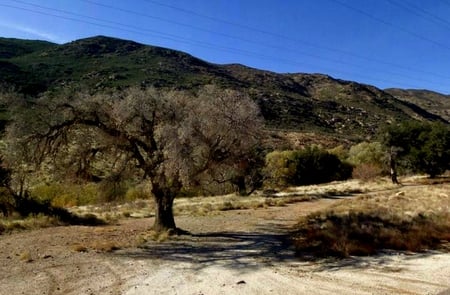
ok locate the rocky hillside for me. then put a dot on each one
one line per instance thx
(299, 102)
(435, 103)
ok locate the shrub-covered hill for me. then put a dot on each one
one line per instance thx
(300, 102)
(435, 103)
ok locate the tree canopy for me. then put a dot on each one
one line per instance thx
(420, 147)
(174, 139)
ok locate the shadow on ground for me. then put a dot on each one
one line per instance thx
(237, 250)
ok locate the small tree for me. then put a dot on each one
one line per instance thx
(174, 139)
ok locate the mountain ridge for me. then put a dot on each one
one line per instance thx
(293, 101)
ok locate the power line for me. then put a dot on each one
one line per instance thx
(249, 41)
(298, 41)
(232, 37)
(137, 30)
(431, 15)
(382, 21)
(422, 13)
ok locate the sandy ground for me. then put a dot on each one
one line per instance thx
(231, 252)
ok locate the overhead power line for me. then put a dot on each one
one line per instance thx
(322, 58)
(384, 22)
(139, 30)
(416, 10)
(298, 41)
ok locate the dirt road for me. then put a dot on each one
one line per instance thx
(231, 252)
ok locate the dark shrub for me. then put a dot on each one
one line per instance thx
(312, 165)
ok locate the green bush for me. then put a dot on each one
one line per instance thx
(112, 190)
(301, 167)
(136, 193)
(280, 167)
(66, 194)
(369, 160)
(367, 153)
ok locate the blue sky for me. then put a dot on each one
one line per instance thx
(386, 43)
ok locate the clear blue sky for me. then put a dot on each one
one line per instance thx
(386, 43)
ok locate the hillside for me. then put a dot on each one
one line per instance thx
(299, 102)
(436, 103)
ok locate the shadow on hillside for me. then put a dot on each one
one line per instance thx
(237, 250)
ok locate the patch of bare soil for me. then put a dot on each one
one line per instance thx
(231, 252)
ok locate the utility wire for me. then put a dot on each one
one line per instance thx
(419, 12)
(382, 21)
(298, 41)
(137, 30)
(422, 13)
(322, 58)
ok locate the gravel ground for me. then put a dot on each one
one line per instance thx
(230, 252)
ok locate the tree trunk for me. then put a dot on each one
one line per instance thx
(164, 220)
(393, 166)
(239, 181)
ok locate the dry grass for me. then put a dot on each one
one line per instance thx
(211, 205)
(412, 217)
(28, 223)
(79, 248)
(25, 256)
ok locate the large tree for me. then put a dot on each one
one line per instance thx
(175, 139)
(419, 146)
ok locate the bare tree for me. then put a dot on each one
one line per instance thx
(175, 139)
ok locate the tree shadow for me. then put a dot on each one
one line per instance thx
(387, 260)
(236, 250)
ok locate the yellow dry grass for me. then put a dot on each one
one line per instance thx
(415, 217)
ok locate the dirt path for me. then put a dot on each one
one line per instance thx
(231, 252)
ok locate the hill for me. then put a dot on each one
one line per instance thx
(297, 102)
(435, 103)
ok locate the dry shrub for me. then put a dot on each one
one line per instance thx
(366, 172)
(365, 234)
(79, 248)
(25, 256)
(412, 220)
(105, 246)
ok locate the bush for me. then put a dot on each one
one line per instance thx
(366, 171)
(112, 190)
(367, 153)
(360, 233)
(7, 202)
(66, 194)
(280, 167)
(301, 167)
(137, 193)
